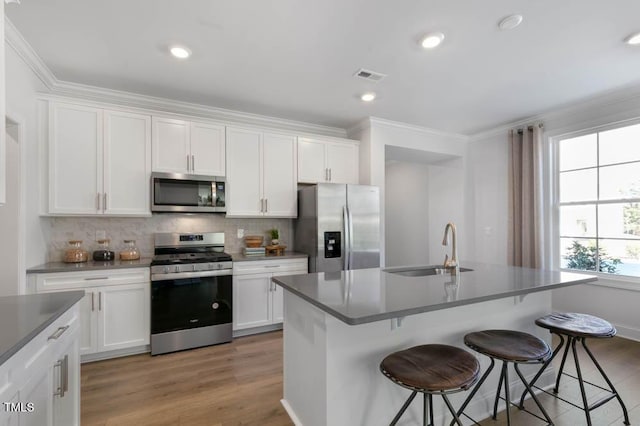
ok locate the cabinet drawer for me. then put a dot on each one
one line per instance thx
(45, 344)
(75, 280)
(269, 266)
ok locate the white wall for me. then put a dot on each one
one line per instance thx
(376, 134)
(22, 85)
(407, 211)
(10, 226)
(487, 209)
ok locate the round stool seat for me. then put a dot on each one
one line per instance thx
(508, 345)
(577, 325)
(432, 368)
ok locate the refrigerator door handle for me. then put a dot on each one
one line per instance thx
(345, 216)
(350, 236)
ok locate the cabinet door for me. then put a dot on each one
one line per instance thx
(311, 161)
(127, 163)
(170, 146)
(207, 149)
(342, 161)
(244, 172)
(38, 390)
(66, 408)
(123, 316)
(75, 159)
(251, 301)
(279, 175)
(88, 308)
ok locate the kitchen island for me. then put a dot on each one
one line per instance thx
(339, 325)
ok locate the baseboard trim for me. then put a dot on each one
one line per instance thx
(257, 330)
(292, 415)
(101, 356)
(628, 332)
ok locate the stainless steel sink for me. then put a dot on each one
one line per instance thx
(423, 271)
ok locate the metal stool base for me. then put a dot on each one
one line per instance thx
(571, 343)
(427, 407)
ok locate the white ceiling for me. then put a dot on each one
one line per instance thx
(295, 58)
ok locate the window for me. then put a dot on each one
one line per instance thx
(599, 201)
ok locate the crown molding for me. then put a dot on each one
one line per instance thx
(412, 127)
(17, 42)
(133, 100)
(575, 109)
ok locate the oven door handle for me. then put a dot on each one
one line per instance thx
(182, 275)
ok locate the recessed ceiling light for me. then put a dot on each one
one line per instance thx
(432, 40)
(368, 97)
(510, 22)
(633, 39)
(180, 52)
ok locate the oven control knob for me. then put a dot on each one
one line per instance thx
(215, 305)
(166, 270)
(219, 265)
(193, 267)
(177, 269)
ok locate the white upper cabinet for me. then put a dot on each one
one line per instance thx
(75, 159)
(181, 146)
(327, 161)
(3, 159)
(261, 174)
(127, 163)
(207, 149)
(98, 161)
(170, 149)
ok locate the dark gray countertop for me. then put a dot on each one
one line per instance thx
(239, 257)
(368, 295)
(89, 266)
(23, 317)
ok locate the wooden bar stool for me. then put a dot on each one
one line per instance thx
(431, 370)
(508, 346)
(577, 328)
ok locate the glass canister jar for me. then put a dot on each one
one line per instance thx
(130, 251)
(103, 253)
(75, 253)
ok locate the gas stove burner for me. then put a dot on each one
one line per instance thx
(177, 253)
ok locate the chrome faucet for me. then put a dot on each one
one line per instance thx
(453, 262)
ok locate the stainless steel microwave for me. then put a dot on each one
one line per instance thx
(176, 192)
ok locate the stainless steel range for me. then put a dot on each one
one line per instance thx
(191, 295)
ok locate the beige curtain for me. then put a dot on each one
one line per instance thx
(525, 247)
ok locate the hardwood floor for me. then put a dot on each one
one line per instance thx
(233, 384)
(241, 384)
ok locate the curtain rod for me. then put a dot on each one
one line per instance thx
(530, 128)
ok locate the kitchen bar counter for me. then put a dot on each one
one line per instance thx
(367, 295)
(88, 266)
(239, 257)
(24, 317)
(339, 326)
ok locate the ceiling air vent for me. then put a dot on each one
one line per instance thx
(369, 75)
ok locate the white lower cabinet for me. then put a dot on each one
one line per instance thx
(40, 384)
(257, 301)
(115, 311)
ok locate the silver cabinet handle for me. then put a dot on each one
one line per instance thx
(329, 175)
(58, 333)
(105, 201)
(261, 205)
(99, 300)
(63, 388)
(266, 205)
(193, 163)
(96, 278)
(93, 305)
(98, 201)
(326, 174)
(188, 163)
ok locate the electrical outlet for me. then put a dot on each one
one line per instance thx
(101, 235)
(240, 233)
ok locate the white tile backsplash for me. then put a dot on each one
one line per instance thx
(63, 229)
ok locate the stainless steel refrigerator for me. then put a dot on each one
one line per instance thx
(338, 226)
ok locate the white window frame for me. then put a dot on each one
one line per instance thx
(626, 282)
